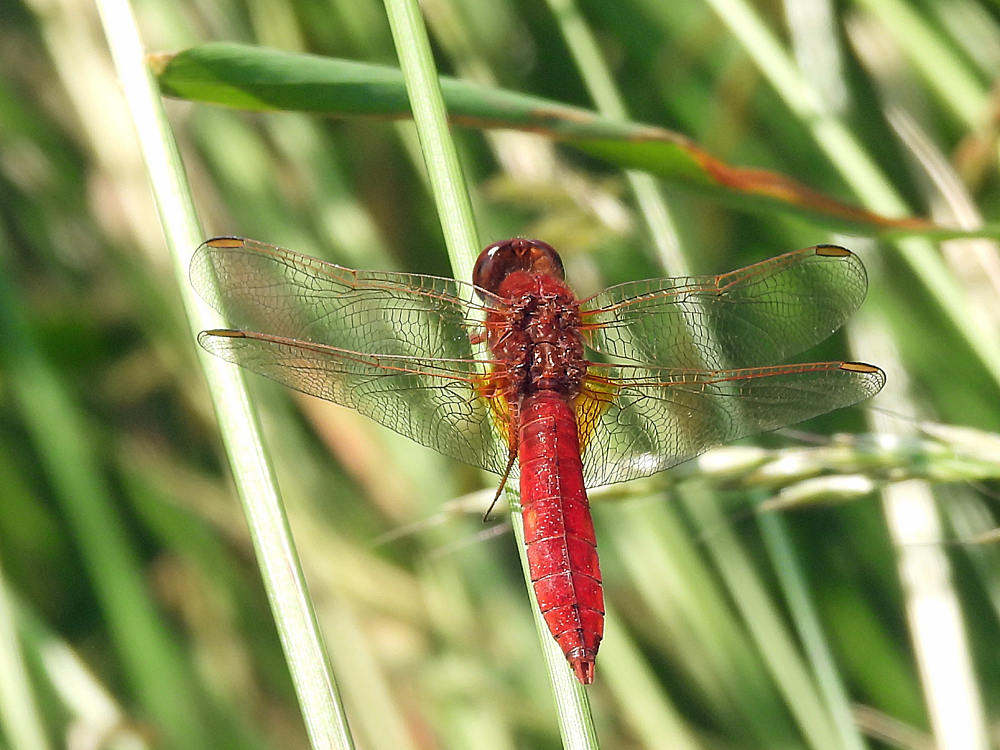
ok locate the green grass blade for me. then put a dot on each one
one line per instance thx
(424, 98)
(930, 53)
(315, 686)
(160, 675)
(454, 209)
(19, 714)
(442, 647)
(261, 79)
(810, 632)
(601, 86)
(761, 615)
(858, 168)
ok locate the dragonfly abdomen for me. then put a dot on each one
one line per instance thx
(558, 529)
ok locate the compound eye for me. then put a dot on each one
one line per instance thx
(491, 266)
(544, 259)
(501, 259)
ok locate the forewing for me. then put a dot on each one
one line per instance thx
(761, 314)
(266, 289)
(636, 421)
(439, 403)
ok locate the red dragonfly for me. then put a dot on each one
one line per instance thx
(497, 373)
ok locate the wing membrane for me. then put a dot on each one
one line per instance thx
(764, 313)
(263, 288)
(399, 349)
(435, 402)
(636, 421)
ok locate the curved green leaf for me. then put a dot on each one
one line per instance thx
(258, 78)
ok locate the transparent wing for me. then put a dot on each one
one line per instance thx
(764, 313)
(437, 402)
(258, 287)
(635, 421)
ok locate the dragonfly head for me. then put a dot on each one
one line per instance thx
(501, 259)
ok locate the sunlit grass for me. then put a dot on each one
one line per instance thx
(799, 634)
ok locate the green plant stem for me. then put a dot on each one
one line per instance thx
(455, 211)
(451, 196)
(859, 170)
(19, 715)
(296, 621)
(603, 91)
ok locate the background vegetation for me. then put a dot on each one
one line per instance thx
(127, 568)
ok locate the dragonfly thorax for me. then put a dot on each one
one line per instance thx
(536, 334)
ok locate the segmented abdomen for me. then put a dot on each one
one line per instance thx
(558, 530)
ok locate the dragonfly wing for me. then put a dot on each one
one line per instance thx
(764, 313)
(436, 402)
(258, 287)
(636, 421)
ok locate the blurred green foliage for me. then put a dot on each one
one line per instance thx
(119, 534)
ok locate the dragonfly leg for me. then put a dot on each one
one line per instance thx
(503, 483)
